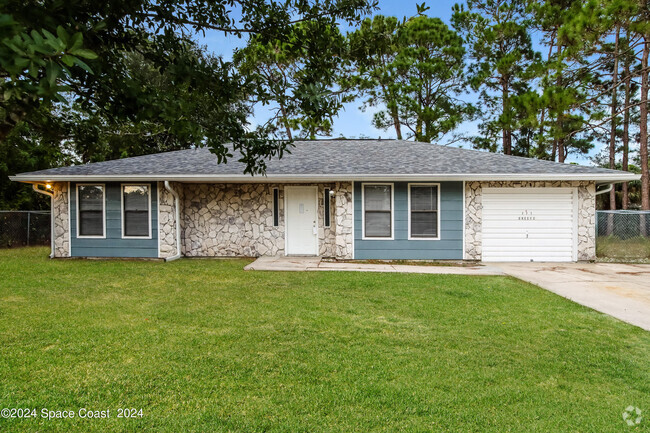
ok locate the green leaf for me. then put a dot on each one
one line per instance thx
(6, 20)
(76, 41)
(48, 35)
(83, 65)
(85, 53)
(63, 35)
(15, 48)
(32, 70)
(21, 62)
(52, 72)
(38, 39)
(68, 60)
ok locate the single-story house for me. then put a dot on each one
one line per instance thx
(347, 199)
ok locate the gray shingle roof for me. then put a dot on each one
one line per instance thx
(342, 159)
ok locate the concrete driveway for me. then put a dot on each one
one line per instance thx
(281, 263)
(620, 290)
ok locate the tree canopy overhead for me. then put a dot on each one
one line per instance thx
(87, 81)
(414, 70)
(82, 52)
(297, 75)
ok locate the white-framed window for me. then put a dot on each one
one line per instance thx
(424, 211)
(377, 210)
(136, 210)
(91, 210)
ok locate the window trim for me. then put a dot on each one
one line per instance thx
(363, 212)
(438, 211)
(103, 235)
(327, 208)
(123, 220)
(275, 206)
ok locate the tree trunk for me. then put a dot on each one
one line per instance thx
(392, 107)
(612, 137)
(560, 146)
(626, 135)
(418, 129)
(507, 133)
(542, 141)
(643, 126)
(398, 126)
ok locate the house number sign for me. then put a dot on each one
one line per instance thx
(527, 215)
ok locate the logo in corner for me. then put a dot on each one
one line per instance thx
(632, 416)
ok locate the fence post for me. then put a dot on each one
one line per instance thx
(610, 224)
(29, 214)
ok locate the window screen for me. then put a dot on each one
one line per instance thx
(424, 211)
(377, 209)
(136, 210)
(91, 210)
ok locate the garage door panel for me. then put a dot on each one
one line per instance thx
(538, 201)
(507, 225)
(517, 258)
(513, 218)
(528, 224)
(513, 221)
(512, 239)
(538, 247)
(507, 233)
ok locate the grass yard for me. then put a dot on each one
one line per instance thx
(200, 345)
(614, 248)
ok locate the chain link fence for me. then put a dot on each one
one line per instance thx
(623, 234)
(24, 228)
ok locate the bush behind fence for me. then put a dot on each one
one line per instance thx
(24, 228)
(623, 234)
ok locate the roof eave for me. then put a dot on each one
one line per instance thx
(598, 178)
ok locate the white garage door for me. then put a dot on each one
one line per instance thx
(529, 224)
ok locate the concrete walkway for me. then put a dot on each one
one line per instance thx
(620, 290)
(317, 264)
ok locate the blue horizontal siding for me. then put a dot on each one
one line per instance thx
(448, 247)
(113, 245)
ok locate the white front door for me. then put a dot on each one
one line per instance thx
(529, 224)
(301, 204)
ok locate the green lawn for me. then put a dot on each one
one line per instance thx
(200, 345)
(616, 249)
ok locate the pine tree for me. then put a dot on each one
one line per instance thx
(501, 54)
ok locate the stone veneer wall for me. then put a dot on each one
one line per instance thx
(586, 214)
(336, 240)
(237, 220)
(167, 219)
(344, 216)
(60, 213)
